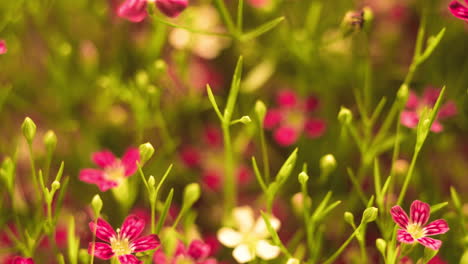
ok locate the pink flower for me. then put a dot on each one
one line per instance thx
(414, 106)
(124, 242)
(196, 253)
(292, 117)
(113, 171)
(437, 260)
(171, 8)
(459, 10)
(3, 47)
(20, 260)
(414, 229)
(133, 10)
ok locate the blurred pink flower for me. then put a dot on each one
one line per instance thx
(259, 3)
(3, 46)
(414, 106)
(113, 171)
(414, 229)
(459, 10)
(133, 10)
(124, 242)
(171, 8)
(437, 260)
(197, 252)
(20, 260)
(292, 117)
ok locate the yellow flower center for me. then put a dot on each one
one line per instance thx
(120, 246)
(115, 172)
(415, 230)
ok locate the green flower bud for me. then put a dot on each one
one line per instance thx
(345, 116)
(160, 66)
(303, 177)
(402, 95)
(151, 181)
(349, 218)
(142, 78)
(29, 129)
(368, 17)
(146, 152)
(191, 194)
(381, 245)
(260, 110)
(369, 215)
(293, 261)
(65, 49)
(55, 186)
(327, 163)
(50, 141)
(96, 204)
(245, 120)
(7, 172)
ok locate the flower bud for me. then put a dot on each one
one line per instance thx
(146, 152)
(349, 218)
(245, 120)
(381, 245)
(29, 129)
(151, 181)
(402, 95)
(160, 66)
(7, 172)
(303, 177)
(50, 141)
(356, 21)
(191, 194)
(133, 10)
(260, 110)
(327, 163)
(369, 215)
(345, 116)
(171, 8)
(96, 204)
(142, 78)
(55, 186)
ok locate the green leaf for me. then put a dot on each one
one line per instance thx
(437, 207)
(455, 198)
(163, 215)
(274, 235)
(432, 43)
(428, 255)
(260, 30)
(321, 206)
(213, 102)
(258, 175)
(286, 169)
(233, 92)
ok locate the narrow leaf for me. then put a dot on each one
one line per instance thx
(260, 30)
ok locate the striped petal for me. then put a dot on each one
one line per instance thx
(104, 231)
(436, 227)
(129, 259)
(458, 10)
(404, 237)
(132, 227)
(101, 250)
(419, 212)
(145, 243)
(399, 216)
(431, 243)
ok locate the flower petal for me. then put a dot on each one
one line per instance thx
(409, 119)
(314, 127)
(413, 101)
(404, 237)
(104, 231)
(458, 10)
(171, 8)
(20, 260)
(129, 161)
(286, 98)
(436, 227)
(132, 227)
(243, 218)
(431, 243)
(229, 237)
(266, 250)
(242, 253)
(399, 216)
(129, 259)
(198, 250)
(133, 10)
(286, 135)
(272, 118)
(436, 127)
(419, 212)
(101, 250)
(97, 177)
(103, 158)
(449, 109)
(261, 230)
(3, 47)
(430, 96)
(145, 243)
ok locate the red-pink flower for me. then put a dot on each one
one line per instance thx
(113, 170)
(171, 8)
(459, 10)
(123, 243)
(415, 105)
(20, 260)
(133, 10)
(3, 47)
(292, 117)
(197, 252)
(414, 229)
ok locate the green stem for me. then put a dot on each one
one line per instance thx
(345, 244)
(408, 177)
(196, 31)
(229, 180)
(34, 175)
(94, 240)
(153, 215)
(226, 17)
(266, 162)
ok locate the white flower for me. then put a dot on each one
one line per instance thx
(250, 238)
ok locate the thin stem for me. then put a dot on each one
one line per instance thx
(196, 31)
(153, 215)
(408, 177)
(345, 244)
(34, 175)
(226, 17)
(229, 182)
(240, 15)
(94, 240)
(265, 159)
